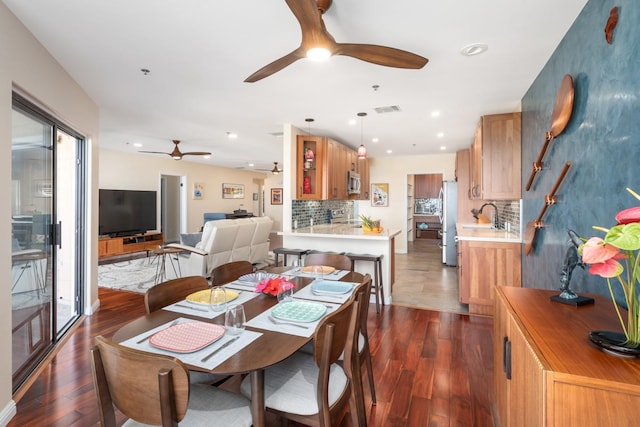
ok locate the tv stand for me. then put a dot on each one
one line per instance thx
(112, 246)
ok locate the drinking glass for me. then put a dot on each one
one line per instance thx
(260, 275)
(234, 319)
(318, 271)
(285, 292)
(218, 299)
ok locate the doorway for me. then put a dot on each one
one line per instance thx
(172, 207)
(48, 216)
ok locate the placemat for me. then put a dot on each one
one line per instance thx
(201, 310)
(335, 275)
(195, 358)
(262, 321)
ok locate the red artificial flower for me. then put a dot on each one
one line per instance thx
(272, 286)
(628, 216)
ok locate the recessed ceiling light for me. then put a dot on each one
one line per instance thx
(137, 144)
(352, 122)
(442, 148)
(232, 135)
(474, 49)
(251, 165)
(389, 151)
(440, 135)
(435, 114)
(375, 140)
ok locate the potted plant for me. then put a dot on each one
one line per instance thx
(616, 258)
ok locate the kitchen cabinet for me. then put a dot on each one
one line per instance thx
(310, 167)
(365, 181)
(427, 186)
(325, 176)
(483, 265)
(495, 158)
(465, 203)
(546, 373)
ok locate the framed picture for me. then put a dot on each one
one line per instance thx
(232, 191)
(198, 191)
(276, 196)
(380, 195)
(255, 197)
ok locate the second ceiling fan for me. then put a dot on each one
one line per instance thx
(315, 36)
(176, 154)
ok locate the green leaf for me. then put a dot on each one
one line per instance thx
(625, 237)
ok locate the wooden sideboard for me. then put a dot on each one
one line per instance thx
(112, 246)
(557, 377)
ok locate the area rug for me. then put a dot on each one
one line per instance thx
(136, 275)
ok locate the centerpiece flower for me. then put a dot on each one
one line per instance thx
(271, 286)
(616, 258)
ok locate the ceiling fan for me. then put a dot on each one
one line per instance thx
(176, 154)
(316, 38)
(276, 170)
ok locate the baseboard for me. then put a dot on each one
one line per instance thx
(8, 413)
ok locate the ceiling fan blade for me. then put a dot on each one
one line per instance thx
(155, 152)
(381, 55)
(196, 153)
(275, 66)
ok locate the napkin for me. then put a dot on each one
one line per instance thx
(195, 358)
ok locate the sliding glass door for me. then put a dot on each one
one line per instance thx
(46, 236)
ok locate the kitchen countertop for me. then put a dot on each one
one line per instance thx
(341, 231)
(486, 234)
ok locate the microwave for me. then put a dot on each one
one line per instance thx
(353, 182)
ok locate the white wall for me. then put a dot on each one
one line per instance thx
(26, 64)
(115, 173)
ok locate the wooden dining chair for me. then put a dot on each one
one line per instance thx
(363, 353)
(337, 261)
(314, 389)
(229, 272)
(152, 389)
(170, 291)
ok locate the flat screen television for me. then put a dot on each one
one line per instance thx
(126, 212)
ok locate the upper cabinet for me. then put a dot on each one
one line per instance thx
(495, 158)
(322, 169)
(428, 186)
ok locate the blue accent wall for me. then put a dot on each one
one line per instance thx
(602, 140)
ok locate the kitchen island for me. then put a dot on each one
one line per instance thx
(349, 238)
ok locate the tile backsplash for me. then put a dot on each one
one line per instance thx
(509, 211)
(303, 210)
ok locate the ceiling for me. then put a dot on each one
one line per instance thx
(198, 54)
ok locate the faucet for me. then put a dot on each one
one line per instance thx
(495, 216)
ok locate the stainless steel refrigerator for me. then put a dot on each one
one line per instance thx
(449, 201)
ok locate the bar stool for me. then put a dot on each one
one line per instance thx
(376, 284)
(288, 251)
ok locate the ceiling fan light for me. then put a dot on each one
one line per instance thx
(275, 169)
(176, 157)
(362, 152)
(318, 54)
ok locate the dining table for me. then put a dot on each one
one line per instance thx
(270, 346)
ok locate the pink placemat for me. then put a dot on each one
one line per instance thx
(187, 337)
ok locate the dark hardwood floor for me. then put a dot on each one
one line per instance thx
(431, 369)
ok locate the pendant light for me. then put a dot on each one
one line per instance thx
(362, 150)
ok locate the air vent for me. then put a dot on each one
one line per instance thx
(277, 134)
(389, 109)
